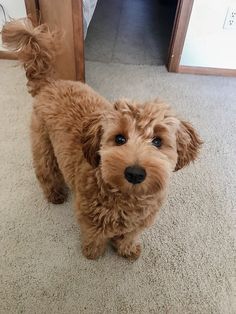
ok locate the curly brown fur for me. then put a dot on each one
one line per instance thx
(35, 47)
(73, 134)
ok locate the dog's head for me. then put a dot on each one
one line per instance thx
(137, 146)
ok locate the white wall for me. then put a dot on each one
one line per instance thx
(207, 44)
(14, 9)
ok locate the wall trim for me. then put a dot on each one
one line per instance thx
(206, 70)
(8, 55)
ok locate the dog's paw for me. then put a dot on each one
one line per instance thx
(132, 253)
(57, 196)
(92, 252)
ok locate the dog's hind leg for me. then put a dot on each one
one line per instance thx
(45, 164)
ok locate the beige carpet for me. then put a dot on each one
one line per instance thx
(188, 260)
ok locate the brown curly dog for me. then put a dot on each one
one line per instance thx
(117, 158)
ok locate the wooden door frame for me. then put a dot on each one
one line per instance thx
(180, 27)
(65, 15)
(32, 10)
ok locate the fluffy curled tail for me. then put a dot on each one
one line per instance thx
(36, 49)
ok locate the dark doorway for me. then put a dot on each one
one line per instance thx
(131, 31)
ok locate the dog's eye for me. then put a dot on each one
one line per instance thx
(120, 139)
(157, 141)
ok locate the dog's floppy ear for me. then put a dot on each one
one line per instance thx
(188, 144)
(91, 137)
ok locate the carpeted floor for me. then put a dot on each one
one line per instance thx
(188, 259)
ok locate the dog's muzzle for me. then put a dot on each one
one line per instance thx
(135, 174)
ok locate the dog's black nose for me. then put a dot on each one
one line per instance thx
(135, 174)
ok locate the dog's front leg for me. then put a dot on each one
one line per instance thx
(128, 245)
(93, 242)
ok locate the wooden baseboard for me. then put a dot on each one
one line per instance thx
(8, 55)
(206, 71)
